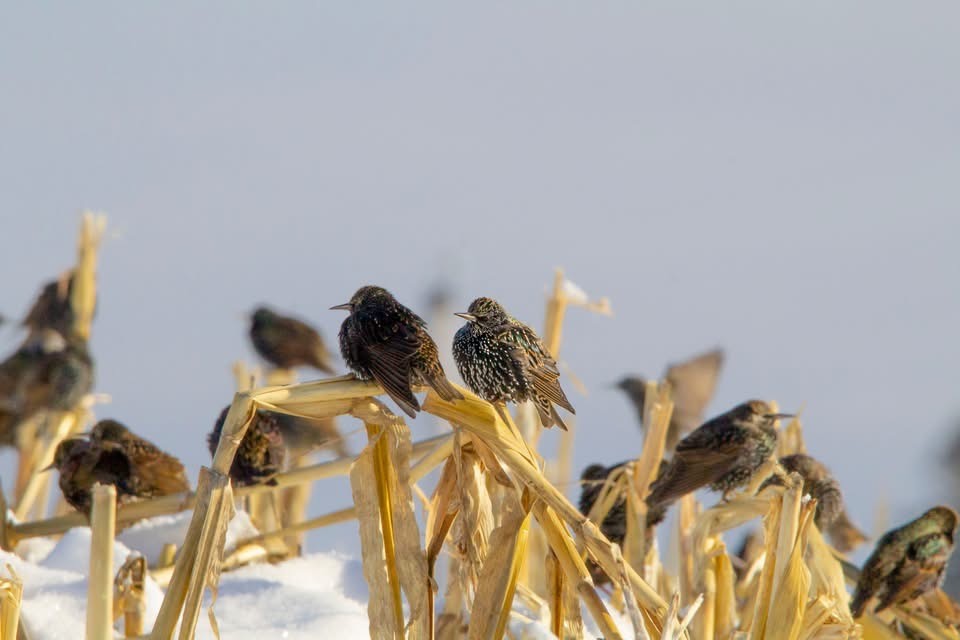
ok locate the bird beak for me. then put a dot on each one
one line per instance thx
(49, 467)
(466, 316)
(346, 306)
(778, 416)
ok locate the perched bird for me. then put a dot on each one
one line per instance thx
(692, 383)
(153, 472)
(288, 343)
(382, 340)
(831, 516)
(261, 453)
(907, 562)
(723, 453)
(47, 373)
(503, 360)
(82, 464)
(52, 308)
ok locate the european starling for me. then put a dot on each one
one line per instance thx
(503, 360)
(382, 340)
(831, 516)
(723, 453)
(47, 373)
(907, 562)
(288, 343)
(692, 384)
(153, 472)
(52, 308)
(261, 453)
(82, 464)
(614, 524)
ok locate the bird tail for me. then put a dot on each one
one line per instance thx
(859, 603)
(845, 535)
(556, 418)
(444, 388)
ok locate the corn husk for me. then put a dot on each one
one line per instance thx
(11, 595)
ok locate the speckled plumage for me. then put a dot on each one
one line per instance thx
(723, 453)
(907, 562)
(287, 342)
(819, 483)
(47, 373)
(383, 340)
(82, 464)
(614, 524)
(153, 472)
(261, 453)
(503, 360)
(692, 383)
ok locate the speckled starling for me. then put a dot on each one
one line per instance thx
(47, 373)
(907, 562)
(153, 472)
(614, 524)
(82, 464)
(819, 483)
(692, 384)
(288, 343)
(52, 308)
(261, 453)
(723, 453)
(382, 340)
(503, 360)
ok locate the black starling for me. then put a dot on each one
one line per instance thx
(82, 464)
(261, 453)
(503, 360)
(723, 453)
(47, 373)
(288, 343)
(831, 516)
(907, 562)
(153, 472)
(52, 308)
(614, 524)
(692, 384)
(382, 340)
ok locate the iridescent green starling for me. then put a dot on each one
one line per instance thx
(153, 472)
(723, 453)
(288, 343)
(907, 562)
(692, 384)
(261, 453)
(82, 464)
(503, 360)
(831, 516)
(47, 373)
(614, 525)
(382, 340)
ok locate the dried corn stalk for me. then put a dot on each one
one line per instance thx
(11, 595)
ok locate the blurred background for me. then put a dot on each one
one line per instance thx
(779, 180)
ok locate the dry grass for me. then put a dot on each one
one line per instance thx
(510, 536)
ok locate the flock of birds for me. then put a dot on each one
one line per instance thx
(500, 359)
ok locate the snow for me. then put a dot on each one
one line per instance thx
(318, 595)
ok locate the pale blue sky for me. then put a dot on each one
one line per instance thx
(776, 178)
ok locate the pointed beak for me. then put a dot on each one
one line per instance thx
(778, 416)
(49, 467)
(346, 306)
(466, 316)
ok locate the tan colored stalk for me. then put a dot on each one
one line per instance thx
(11, 596)
(100, 582)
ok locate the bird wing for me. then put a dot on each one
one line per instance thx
(295, 341)
(700, 459)
(540, 365)
(919, 571)
(878, 567)
(391, 346)
(693, 383)
(159, 473)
